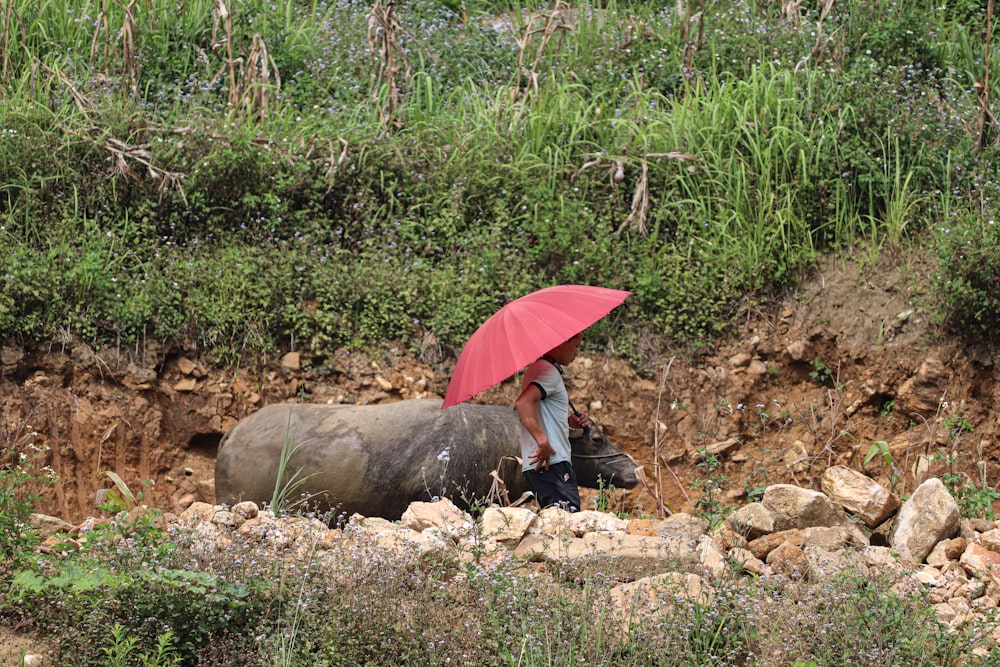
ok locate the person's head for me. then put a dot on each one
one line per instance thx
(565, 353)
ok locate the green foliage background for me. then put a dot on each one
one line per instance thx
(238, 175)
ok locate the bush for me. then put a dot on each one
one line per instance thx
(967, 282)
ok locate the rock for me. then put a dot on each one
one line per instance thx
(797, 350)
(980, 561)
(205, 490)
(789, 559)
(187, 384)
(740, 360)
(795, 507)
(11, 355)
(589, 521)
(711, 559)
(506, 525)
(834, 538)
(859, 494)
(825, 564)
(751, 521)
(765, 544)
(745, 559)
(291, 361)
(50, 525)
(991, 539)
(921, 394)
(186, 501)
(652, 597)
(946, 551)
(227, 519)
(721, 448)
(196, 513)
(246, 510)
(186, 366)
(442, 515)
(927, 517)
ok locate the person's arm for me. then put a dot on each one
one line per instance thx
(527, 411)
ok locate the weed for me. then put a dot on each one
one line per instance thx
(285, 485)
(24, 478)
(710, 484)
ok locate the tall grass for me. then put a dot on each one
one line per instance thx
(305, 145)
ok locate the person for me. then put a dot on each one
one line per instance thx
(543, 409)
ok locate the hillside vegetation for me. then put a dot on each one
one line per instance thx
(244, 176)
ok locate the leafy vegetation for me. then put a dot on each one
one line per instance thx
(240, 175)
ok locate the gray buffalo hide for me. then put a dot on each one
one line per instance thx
(375, 460)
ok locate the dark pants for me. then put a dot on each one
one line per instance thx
(556, 486)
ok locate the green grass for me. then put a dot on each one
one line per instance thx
(237, 179)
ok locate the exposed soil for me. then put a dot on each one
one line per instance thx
(844, 361)
(848, 359)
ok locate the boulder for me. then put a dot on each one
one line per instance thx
(927, 517)
(795, 507)
(859, 494)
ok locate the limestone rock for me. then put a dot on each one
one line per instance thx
(440, 514)
(50, 525)
(652, 597)
(927, 517)
(859, 494)
(589, 521)
(751, 521)
(921, 393)
(795, 507)
(980, 561)
(789, 559)
(506, 524)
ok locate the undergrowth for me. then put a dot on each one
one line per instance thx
(238, 176)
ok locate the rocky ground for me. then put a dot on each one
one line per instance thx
(847, 360)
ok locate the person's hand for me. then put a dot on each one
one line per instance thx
(542, 455)
(579, 420)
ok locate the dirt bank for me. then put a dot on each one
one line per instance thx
(845, 361)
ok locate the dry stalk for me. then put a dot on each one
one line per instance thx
(790, 9)
(83, 105)
(817, 50)
(255, 81)
(334, 161)
(544, 25)
(121, 153)
(688, 70)
(640, 204)
(640, 195)
(986, 118)
(658, 460)
(5, 41)
(130, 61)
(393, 71)
(222, 17)
(100, 28)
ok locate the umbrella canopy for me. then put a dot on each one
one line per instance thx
(522, 331)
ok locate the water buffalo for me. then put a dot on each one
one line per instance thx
(375, 460)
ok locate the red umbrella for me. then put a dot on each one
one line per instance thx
(522, 331)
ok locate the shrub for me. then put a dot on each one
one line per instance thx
(967, 282)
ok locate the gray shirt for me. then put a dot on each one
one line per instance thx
(553, 413)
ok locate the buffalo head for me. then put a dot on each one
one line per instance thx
(598, 463)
